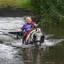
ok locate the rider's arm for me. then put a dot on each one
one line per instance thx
(21, 29)
(35, 25)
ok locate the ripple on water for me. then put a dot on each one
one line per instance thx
(7, 55)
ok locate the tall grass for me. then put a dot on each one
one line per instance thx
(6, 3)
(26, 4)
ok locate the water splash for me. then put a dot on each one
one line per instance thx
(51, 42)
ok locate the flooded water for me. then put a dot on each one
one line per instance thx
(13, 52)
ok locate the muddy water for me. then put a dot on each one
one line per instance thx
(13, 52)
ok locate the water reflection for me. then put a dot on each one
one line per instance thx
(41, 56)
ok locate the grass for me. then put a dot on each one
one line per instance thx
(26, 4)
(6, 3)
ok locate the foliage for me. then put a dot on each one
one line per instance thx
(25, 4)
(36, 6)
(51, 11)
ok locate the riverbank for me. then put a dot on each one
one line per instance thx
(15, 12)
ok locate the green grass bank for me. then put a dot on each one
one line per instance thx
(25, 4)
